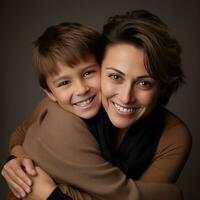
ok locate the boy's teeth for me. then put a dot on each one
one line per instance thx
(123, 109)
(84, 103)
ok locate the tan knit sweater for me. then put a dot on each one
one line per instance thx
(61, 144)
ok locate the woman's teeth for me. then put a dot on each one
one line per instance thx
(124, 109)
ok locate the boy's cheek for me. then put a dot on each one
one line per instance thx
(96, 83)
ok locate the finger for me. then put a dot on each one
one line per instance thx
(29, 167)
(16, 189)
(15, 194)
(19, 172)
(17, 182)
(19, 196)
(14, 169)
(18, 176)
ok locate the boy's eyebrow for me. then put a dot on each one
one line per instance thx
(68, 77)
(92, 65)
(61, 78)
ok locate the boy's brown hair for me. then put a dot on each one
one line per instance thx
(68, 43)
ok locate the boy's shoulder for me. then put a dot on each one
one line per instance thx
(60, 124)
(53, 113)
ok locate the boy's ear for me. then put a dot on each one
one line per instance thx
(50, 95)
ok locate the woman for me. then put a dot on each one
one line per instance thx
(140, 71)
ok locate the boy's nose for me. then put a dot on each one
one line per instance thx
(82, 88)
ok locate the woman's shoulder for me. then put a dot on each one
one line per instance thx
(174, 123)
(176, 133)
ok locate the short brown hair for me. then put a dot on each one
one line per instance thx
(162, 52)
(68, 43)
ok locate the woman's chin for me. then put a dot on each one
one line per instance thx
(123, 123)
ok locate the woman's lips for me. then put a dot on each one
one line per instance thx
(125, 110)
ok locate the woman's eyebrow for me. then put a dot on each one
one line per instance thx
(144, 76)
(120, 72)
(114, 69)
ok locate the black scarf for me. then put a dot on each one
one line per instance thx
(138, 146)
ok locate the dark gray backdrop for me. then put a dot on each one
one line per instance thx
(22, 21)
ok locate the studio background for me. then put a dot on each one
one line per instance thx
(22, 21)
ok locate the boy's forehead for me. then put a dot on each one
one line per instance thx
(60, 66)
(90, 59)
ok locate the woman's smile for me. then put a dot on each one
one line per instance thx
(124, 110)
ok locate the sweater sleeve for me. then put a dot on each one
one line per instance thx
(147, 191)
(172, 152)
(74, 158)
(18, 135)
(57, 194)
(63, 146)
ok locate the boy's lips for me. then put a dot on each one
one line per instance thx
(85, 102)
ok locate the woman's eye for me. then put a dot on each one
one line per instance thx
(115, 77)
(145, 84)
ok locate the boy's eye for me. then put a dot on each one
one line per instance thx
(63, 83)
(89, 72)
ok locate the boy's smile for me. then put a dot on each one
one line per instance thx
(85, 103)
(77, 89)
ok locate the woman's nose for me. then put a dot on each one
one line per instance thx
(127, 94)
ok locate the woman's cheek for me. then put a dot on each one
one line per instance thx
(108, 89)
(148, 98)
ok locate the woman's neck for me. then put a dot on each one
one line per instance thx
(119, 136)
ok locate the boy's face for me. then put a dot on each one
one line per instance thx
(77, 89)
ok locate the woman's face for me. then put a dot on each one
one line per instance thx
(128, 91)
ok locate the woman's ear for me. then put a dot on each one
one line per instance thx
(164, 95)
(50, 95)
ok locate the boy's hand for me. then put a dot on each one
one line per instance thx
(16, 173)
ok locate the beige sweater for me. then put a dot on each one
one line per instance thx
(61, 144)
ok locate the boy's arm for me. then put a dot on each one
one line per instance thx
(18, 135)
(23, 161)
(17, 139)
(139, 186)
(86, 169)
(68, 152)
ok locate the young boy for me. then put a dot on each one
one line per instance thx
(65, 63)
